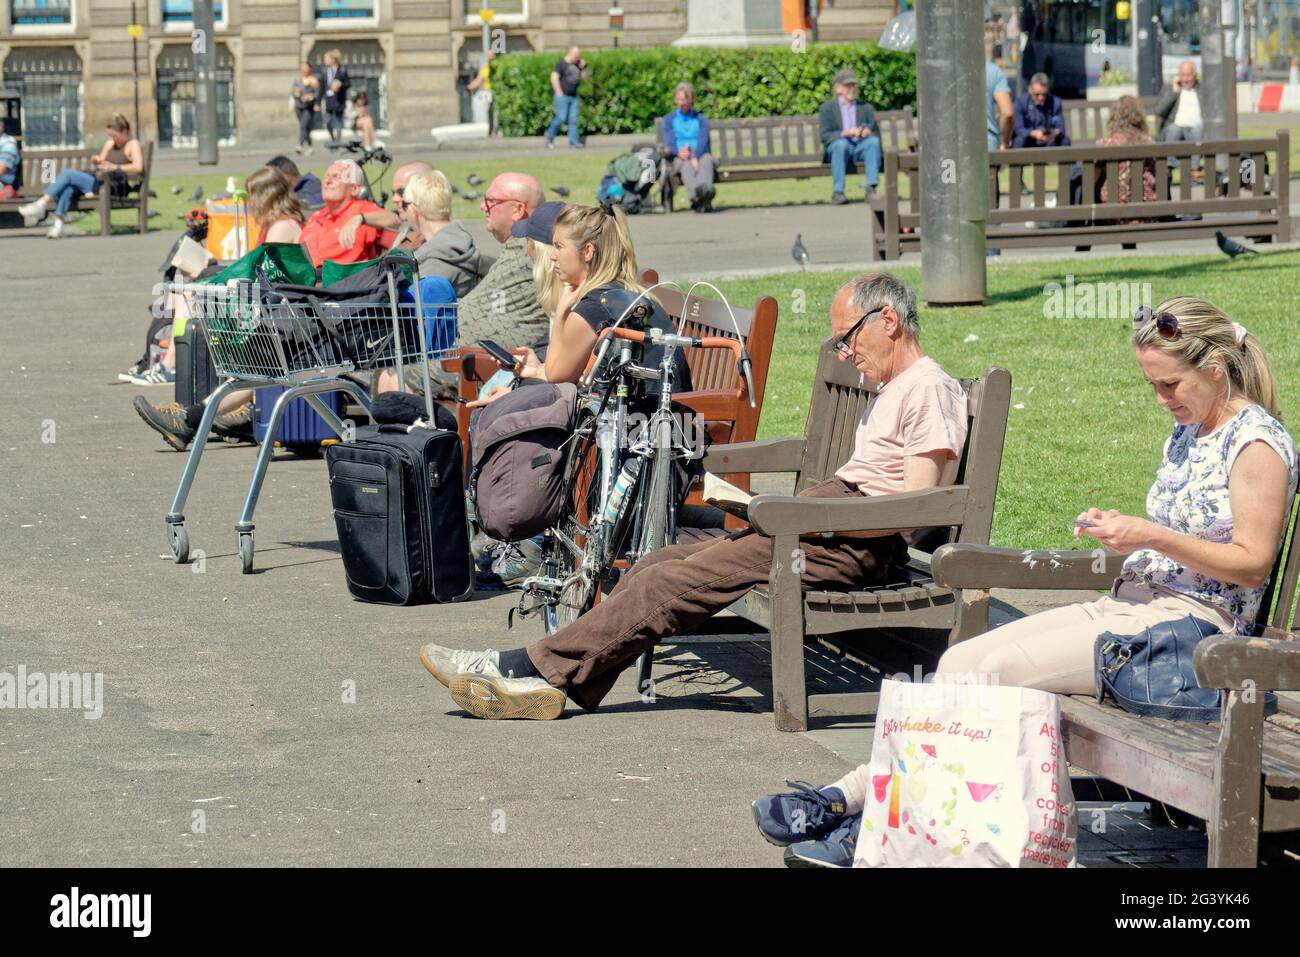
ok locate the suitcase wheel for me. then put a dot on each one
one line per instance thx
(179, 540)
(246, 552)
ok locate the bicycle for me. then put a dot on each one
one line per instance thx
(623, 483)
(368, 156)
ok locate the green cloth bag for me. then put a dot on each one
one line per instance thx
(232, 322)
(282, 262)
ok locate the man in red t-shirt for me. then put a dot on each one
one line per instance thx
(340, 189)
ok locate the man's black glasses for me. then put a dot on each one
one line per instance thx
(844, 345)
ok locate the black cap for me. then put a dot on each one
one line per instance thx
(540, 226)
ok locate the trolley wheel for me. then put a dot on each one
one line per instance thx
(246, 552)
(179, 539)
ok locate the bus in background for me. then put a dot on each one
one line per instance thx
(1076, 41)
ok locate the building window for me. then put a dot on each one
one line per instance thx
(40, 13)
(175, 93)
(49, 81)
(503, 11)
(345, 9)
(181, 12)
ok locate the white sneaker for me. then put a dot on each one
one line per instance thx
(500, 698)
(55, 231)
(33, 213)
(448, 663)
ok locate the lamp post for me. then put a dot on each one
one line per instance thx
(204, 48)
(954, 150)
(135, 30)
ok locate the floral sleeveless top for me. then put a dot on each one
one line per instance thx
(1190, 495)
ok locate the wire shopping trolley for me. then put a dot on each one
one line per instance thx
(303, 340)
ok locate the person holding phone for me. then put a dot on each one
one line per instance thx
(591, 253)
(1215, 512)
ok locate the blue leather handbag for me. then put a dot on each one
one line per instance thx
(1151, 673)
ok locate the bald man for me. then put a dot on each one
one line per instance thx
(505, 306)
(382, 218)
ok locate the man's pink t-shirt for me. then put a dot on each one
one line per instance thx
(922, 410)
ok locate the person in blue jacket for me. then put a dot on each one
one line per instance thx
(686, 137)
(1039, 117)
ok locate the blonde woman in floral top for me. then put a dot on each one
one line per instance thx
(1216, 510)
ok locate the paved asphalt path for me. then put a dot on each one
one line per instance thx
(223, 693)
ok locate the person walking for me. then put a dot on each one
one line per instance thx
(306, 103)
(569, 71)
(335, 86)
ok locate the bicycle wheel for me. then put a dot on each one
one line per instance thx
(582, 471)
(657, 505)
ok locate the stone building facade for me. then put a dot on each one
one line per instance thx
(75, 61)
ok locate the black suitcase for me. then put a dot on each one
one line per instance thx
(399, 506)
(195, 377)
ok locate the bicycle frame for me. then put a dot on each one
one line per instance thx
(592, 560)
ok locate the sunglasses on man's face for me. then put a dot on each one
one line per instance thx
(1166, 322)
(845, 344)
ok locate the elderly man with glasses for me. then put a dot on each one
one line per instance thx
(505, 305)
(908, 440)
(385, 219)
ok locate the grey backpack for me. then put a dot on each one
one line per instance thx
(517, 465)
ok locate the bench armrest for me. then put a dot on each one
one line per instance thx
(1229, 661)
(712, 404)
(767, 455)
(984, 567)
(774, 515)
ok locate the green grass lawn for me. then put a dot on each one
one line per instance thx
(1084, 429)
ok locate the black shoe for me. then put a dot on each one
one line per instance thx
(838, 199)
(167, 420)
(705, 198)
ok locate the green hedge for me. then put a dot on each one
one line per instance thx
(627, 89)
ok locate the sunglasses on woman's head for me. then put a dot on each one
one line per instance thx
(1166, 322)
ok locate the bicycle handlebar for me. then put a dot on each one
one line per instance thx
(744, 366)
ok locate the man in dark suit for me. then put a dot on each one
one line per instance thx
(1039, 116)
(850, 134)
(335, 82)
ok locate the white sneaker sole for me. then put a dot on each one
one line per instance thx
(429, 666)
(485, 698)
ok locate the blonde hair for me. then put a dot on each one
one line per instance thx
(271, 197)
(119, 123)
(430, 193)
(613, 259)
(545, 278)
(1208, 340)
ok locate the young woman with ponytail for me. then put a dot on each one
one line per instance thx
(1216, 511)
(590, 254)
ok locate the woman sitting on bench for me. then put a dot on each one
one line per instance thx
(1217, 508)
(120, 158)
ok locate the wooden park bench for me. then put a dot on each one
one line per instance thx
(42, 167)
(777, 147)
(1241, 775)
(1085, 120)
(961, 512)
(1258, 208)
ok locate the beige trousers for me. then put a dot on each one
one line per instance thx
(1053, 650)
